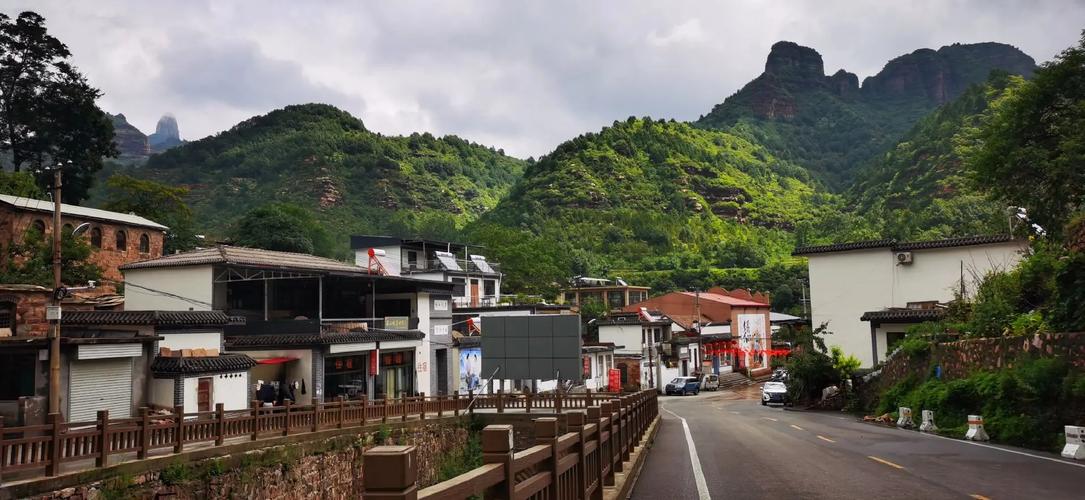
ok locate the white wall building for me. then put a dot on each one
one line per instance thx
(848, 280)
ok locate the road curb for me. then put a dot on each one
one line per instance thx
(624, 481)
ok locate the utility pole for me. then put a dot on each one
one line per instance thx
(54, 341)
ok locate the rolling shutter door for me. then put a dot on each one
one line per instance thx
(100, 384)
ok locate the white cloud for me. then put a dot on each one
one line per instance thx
(522, 76)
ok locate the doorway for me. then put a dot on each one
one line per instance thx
(204, 393)
(442, 372)
(474, 293)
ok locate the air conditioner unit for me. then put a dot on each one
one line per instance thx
(904, 257)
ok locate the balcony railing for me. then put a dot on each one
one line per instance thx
(434, 265)
(483, 301)
(335, 325)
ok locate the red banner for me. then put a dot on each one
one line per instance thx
(614, 377)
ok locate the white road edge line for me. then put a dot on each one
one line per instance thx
(698, 474)
(1003, 449)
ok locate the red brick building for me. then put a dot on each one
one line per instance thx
(117, 238)
(739, 322)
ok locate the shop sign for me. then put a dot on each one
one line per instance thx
(397, 323)
(440, 304)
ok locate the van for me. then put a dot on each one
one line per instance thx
(710, 382)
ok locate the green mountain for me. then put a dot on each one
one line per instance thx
(643, 195)
(323, 159)
(833, 126)
(919, 188)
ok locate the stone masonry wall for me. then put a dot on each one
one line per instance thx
(330, 469)
(960, 358)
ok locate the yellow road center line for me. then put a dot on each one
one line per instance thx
(977, 496)
(770, 418)
(793, 426)
(886, 462)
(823, 438)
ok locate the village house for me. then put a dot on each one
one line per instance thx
(598, 361)
(868, 293)
(722, 330)
(116, 238)
(643, 352)
(323, 328)
(477, 281)
(616, 294)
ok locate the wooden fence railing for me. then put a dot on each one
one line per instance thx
(574, 465)
(46, 447)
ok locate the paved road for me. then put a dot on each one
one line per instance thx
(746, 450)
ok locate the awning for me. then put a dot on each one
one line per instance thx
(275, 361)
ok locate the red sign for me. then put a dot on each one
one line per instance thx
(614, 378)
(373, 362)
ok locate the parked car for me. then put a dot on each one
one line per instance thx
(683, 386)
(710, 382)
(774, 392)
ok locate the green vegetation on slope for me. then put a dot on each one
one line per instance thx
(324, 160)
(920, 189)
(654, 195)
(831, 126)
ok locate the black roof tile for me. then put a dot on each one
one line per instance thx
(164, 366)
(903, 245)
(289, 339)
(906, 315)
(191, 319)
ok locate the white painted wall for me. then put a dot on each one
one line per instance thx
(628, 336)
(191, 340)
(302, 369)
(191, 389)
(162, 392)
(193, 282)
(844, 285)
(422, 360)
(232, 390)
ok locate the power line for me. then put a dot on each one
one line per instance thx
(162, 293)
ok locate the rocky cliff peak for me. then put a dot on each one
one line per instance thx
(844, 84)
(129, 140)
(793, 61)
(166, 134)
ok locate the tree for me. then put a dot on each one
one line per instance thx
(31, 261)
(158, 202)
(284, 227)
(20, 184)
(1029, 148)
(48, 113)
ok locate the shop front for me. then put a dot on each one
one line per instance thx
(349, 375)
(397, 373)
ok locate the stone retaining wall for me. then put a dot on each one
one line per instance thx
(329, 469)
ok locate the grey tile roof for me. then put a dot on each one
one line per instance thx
(150, 318)
(310, 339)
(78, 211)
(903, 315)
(904, 245)
(243, 256)
(165, 366)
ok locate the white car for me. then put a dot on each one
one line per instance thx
(710, 382)
(774, 392)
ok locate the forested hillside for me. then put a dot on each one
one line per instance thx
(324, 160)
(832, 126)
(920, 189)
(646, 195)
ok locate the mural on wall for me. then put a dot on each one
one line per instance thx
(470, 367)
(753, 339)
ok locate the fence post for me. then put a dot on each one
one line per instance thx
(546, 432)
(501, 401)
(2, 449)
(179, 434)
(365, 410)
(497, 449)
(456, 404)
(441, 406)
(587, 398)
(527, 404)
(391, 472)
(220, 424)
(255, 418)
(422, 398)
(470, 401)
(144, 432)
(286, 417)
(606, 411)
(316, 417)
(623, 417)
(103, 439)
(339, 410)
(595, 417)
(384, 410)
(574, 422)
(403, 407)
(557, 402)
(54, 445)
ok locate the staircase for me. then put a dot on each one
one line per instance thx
(733, 380)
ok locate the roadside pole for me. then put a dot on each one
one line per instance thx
(54, 341)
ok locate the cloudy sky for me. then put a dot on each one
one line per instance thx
(518, 75)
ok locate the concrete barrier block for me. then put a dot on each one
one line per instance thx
(928, 422)
(1075, 443)
(975, 429)
(904, 421)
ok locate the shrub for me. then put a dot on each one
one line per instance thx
(175, 473)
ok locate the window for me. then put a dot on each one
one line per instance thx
(38, 225)
(144, 244)
(615, 300)
(96, 237)
(892, 339)
(122, 241)
(489, 288)
(7, 315)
